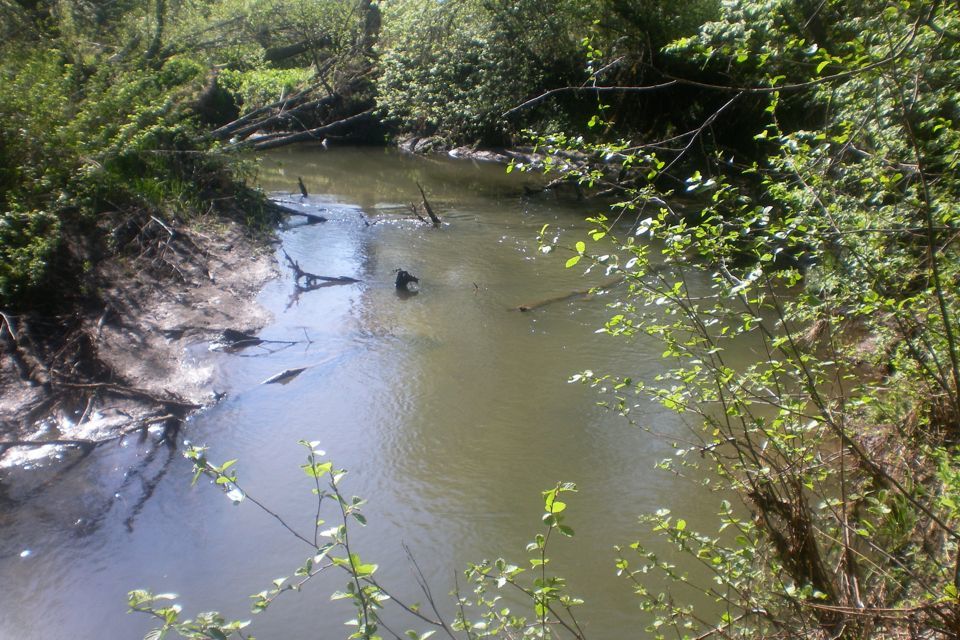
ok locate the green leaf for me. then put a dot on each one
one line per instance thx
(572, 262)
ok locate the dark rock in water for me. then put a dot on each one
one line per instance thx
(404, 278)
(233, 340)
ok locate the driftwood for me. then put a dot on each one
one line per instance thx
(311, 218)
(303, 187)
(233, 341)
(312, 281)
(427, 207)
(284, 376)
(568, 296)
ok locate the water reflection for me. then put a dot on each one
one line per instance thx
(450, 408)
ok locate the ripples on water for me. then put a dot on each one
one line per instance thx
(451, 412)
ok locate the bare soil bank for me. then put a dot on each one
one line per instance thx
(120, 364)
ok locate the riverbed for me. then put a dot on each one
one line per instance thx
(450, 409)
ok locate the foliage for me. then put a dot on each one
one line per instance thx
(93, 133)
(260, 87)
(833, 254)
(452, 68)
(331, 548)
(457, 69)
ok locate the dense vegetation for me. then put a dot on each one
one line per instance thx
(817, 144)
(110, 110)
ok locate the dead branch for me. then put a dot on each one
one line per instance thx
(286, 114)
(228, 129)
(270, 142)
(311, 218)
(284, 376)
(313, 281)
(28, 365)
(568, 296)
(415, 211)
(35, 444)
(428, 208)
(587, 89)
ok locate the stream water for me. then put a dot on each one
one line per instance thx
(451, 412)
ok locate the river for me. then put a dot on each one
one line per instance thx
(451, 411)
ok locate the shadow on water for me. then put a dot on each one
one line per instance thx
(140, 480)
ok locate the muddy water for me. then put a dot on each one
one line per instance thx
(450, 410)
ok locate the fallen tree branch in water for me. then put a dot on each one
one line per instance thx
(312, 218)
(568, 296)
(428, 208)
(284, 376)
(313, 281)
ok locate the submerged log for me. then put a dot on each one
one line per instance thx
(568, 296)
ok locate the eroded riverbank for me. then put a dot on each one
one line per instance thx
(129, 368)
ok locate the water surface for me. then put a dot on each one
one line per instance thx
(451, 410)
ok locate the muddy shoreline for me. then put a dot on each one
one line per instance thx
(129, 367)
